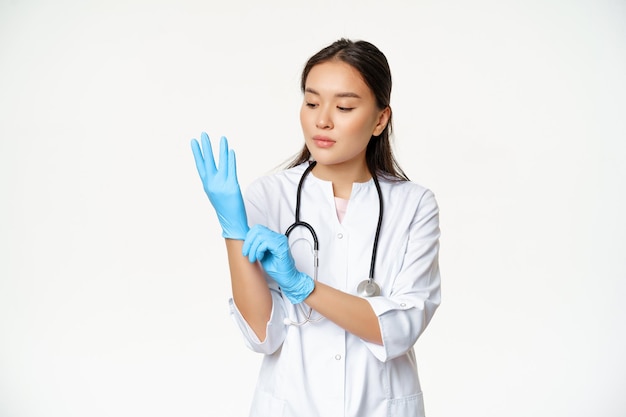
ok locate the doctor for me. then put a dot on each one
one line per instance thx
(332, 347)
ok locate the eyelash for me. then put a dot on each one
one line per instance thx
(342, 109)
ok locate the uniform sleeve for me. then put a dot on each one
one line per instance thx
(416, 292)
(275, 329)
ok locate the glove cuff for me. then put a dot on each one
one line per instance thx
(299, 292)
(234, 227)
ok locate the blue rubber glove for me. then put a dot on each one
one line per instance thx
(221, 186)
(272, 250)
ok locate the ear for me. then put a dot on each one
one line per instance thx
(383, 119)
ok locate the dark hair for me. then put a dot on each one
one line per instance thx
(372, 64)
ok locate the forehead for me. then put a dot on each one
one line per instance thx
(336, 77)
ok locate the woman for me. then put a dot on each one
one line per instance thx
(337, 341)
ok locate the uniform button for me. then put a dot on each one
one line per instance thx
(339, 235)
(338, 357)
(402, 305)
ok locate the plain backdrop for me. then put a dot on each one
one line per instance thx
(113, 277)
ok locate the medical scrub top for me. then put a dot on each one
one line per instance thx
(319, 369)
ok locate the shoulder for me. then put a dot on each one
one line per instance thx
(399, 190)
(276, 182)
(407, 198)
(411, 205)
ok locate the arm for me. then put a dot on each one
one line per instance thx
(416, 289)
(354, 314)
(250, 290)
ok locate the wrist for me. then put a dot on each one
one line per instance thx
(234, 228)
(301, 290)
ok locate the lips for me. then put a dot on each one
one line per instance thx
(323, 141)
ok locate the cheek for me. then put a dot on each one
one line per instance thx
(362, 126)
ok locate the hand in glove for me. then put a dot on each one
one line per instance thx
(272, 250)
(221, 186)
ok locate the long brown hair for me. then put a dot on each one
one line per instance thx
(372, 64)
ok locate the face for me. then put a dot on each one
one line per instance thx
(339, 115)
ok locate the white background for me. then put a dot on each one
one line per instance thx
(113, 280)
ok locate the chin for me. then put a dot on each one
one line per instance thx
(322, 159)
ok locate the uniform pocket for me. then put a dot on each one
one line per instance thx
(411, 406)
(265, 404)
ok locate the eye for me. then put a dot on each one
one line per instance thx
(311, 105)
(345, 109)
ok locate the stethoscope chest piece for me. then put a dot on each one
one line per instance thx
(368, 288)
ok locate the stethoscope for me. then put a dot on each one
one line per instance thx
(367, 287)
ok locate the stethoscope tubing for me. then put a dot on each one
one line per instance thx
(378, 227)
(370, 283)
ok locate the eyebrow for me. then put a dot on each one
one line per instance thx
(346, 94)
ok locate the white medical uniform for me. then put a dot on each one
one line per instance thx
(319, 369)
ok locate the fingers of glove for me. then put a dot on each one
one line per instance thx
(256, 236)
(245, 250)
(232, 168)
(198, 158)
(256, 248)
(249, 240)
(223, 162)
(207, 151)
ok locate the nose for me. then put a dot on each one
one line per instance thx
(324, 120)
